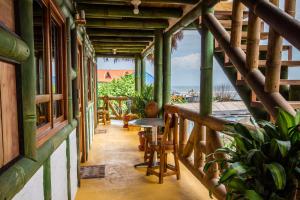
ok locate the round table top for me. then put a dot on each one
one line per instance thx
(148, 122)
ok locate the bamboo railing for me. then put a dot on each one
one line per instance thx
(203, 140)
(115, 108)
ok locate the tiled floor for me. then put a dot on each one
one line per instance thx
(117, 149)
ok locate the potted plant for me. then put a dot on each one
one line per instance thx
(265, 161)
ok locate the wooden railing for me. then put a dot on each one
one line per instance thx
(203, 140)
(115, 108)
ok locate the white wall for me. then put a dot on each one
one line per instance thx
(33, 188)
(59, 181)
(73, 163)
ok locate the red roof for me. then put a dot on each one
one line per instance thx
(107, 75)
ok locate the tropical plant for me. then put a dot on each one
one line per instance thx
(140, 100)
(265, 162)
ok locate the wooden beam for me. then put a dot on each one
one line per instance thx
(118, 48)
(104, 11)
(120, 44)
(186, 20)
(128, 23)
(118, 55)
(132, 51)
(120, 39)
(144, 1)
(119, 33)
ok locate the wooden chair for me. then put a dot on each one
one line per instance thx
(168, 144)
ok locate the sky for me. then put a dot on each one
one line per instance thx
(186, 61)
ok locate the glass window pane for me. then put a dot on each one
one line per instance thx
(55, 59)
(42, 114)
(57, 109)
(38, 20)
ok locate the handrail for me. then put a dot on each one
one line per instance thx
(203, 140)
(116, 110)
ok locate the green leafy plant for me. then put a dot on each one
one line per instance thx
(141, 100)
(265, 161)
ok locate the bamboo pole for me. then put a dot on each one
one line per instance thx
(146, 1)
(69, 70)
(237, 23)
(120, 44)
(189, 147)
(143, 73)
(108, 11)
(167, 69)
(128, 24)
(28, 74)
(279, 20)
(183, 136)
(253, 39)
(254, 78)
(197, 149)
(12, 48)
(273, 64)
(158, 68)
(121, 39)
(137, 74)
(206, 85)
(119, 32)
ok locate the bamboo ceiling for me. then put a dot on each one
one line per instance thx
(113, 22)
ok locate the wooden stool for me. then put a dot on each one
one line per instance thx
(165, 146)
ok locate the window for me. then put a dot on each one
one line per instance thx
(50, 69)
(89, 81)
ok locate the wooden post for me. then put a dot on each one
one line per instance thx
(143, 73)
(273, 64)
(183, 124)
(28, 74)
(158, 71)
(253, 38)
(237, 23)
(137, 74)
(69, 70)
(167, 69)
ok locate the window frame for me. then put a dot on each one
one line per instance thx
(52, 14)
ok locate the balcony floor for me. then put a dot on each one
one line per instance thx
(117, 149)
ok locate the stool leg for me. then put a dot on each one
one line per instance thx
(176, 159)
(150, 163)
(146, 150)
(166, 162)
(161, 166)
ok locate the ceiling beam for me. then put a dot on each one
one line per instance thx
(127, 24)
(119, 32)
(120, 44)
(143, 1)
(118, 55)
(120, 39)
(132, 51)
(104, 11)
(118, 48)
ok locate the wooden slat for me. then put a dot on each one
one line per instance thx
(42, 98)
(9, 112)
(262, 63)
(261, 48)
(282, 82)
(57, 97)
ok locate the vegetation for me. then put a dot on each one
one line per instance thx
(141, 100)
(265, 163)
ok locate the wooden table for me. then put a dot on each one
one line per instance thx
(153, 124)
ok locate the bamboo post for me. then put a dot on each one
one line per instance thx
(206, 85)
(158, 71)
(167, 69)
(137, 74)
(143, 73)
(213, 170)
(183, 124)
(188, 149)
(69, 70)
(237, 23)
(273, 64)
(28, 74)
(253, 39)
